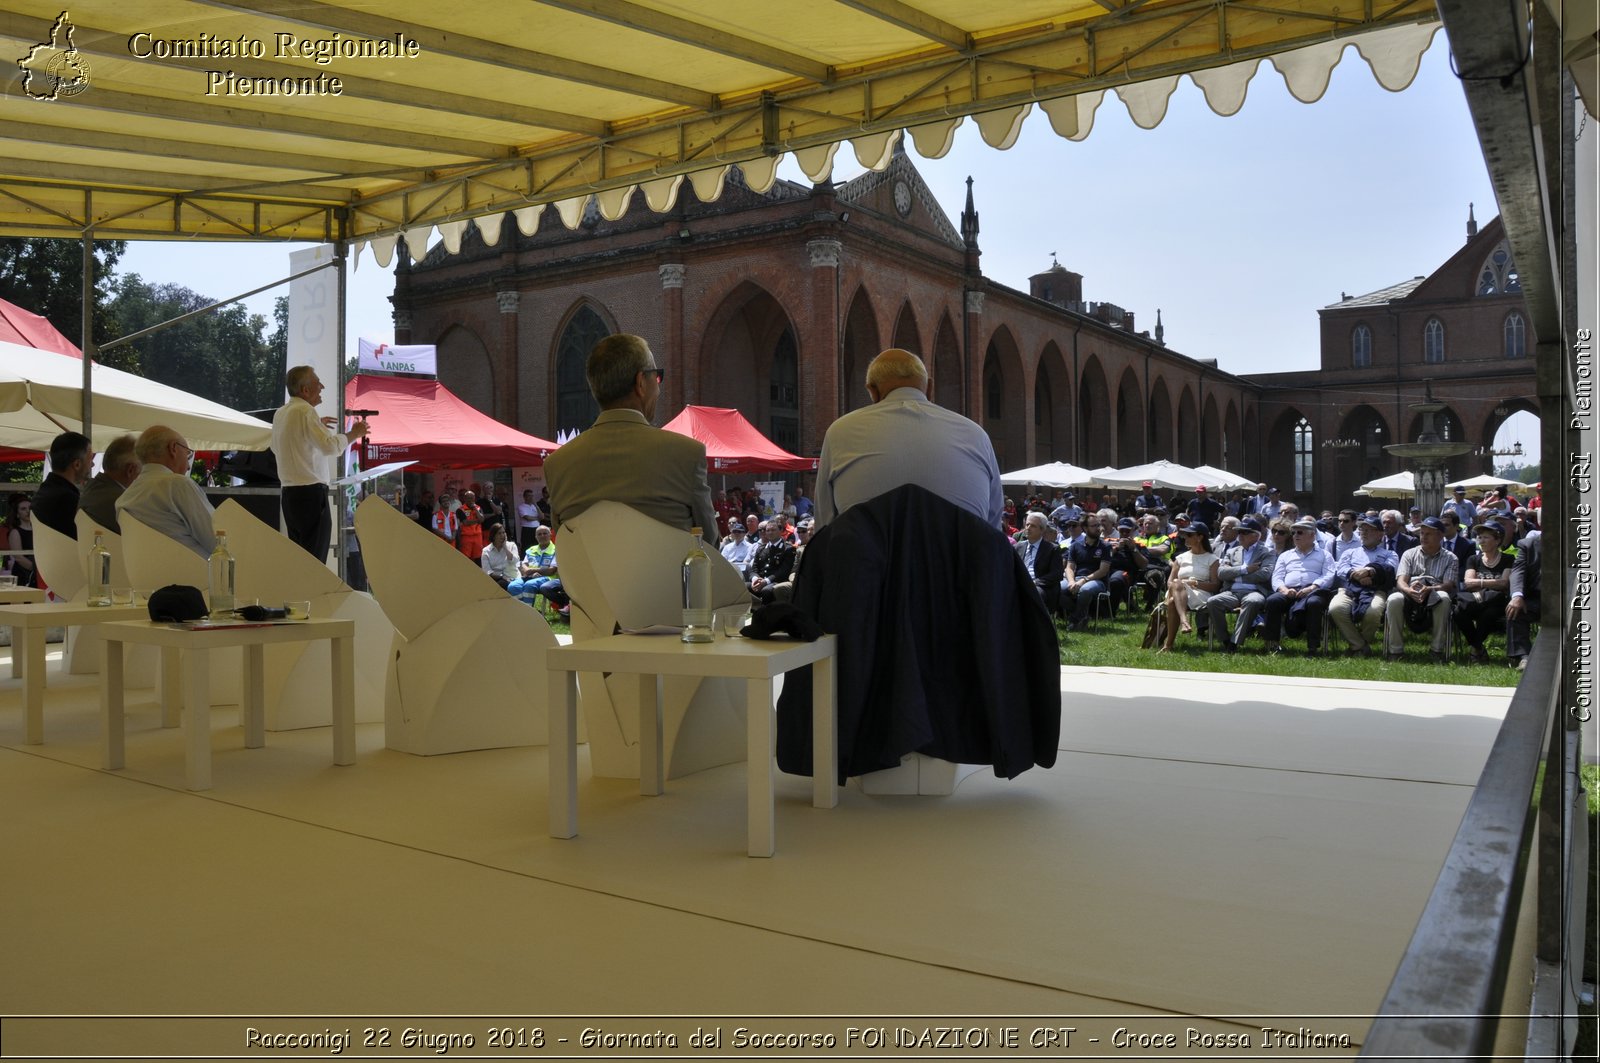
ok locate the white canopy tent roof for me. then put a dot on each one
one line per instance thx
(1485, 482)
(41, 396)
(1167, 475)
(1051, 474)
(1399, 485)
(1223, 480)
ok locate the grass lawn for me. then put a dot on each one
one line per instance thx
(1115, 644)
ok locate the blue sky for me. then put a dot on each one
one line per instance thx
(1237, 229)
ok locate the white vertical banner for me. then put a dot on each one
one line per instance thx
(314, 339)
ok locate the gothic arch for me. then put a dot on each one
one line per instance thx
(466, 368)
(1232, 439)
(572, 407)
(1052, 408)
(906, 336)
(1495, 418)
(946, 367)
(1350, 467)
(1161, 442)
(1130, 420)
(1094, 415)
(748, 362)
(1188, 432)
(860, 347)
(1001, 399)
(1278, 462)
(1211, 433)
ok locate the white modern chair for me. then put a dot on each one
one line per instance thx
(466, 669)
(138, 662)
(623, 572)
(154, 560)
(63, 566)
(271, 569)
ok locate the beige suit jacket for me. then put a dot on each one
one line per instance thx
(623, 458)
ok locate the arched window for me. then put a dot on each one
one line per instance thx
(1516, 336)
(1361, 347)
(993, 387)
(575, 405)
(1433, 341)
(1499, 273)
(1303, 454)
(785, 418)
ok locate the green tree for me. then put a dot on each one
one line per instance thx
(223, 355)
(46, 277)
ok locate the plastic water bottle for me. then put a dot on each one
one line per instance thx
(696, 591)
(99, 573)
(221, 565)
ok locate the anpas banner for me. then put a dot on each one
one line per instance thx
(422, 359)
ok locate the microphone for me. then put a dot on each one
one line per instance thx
(362, 413)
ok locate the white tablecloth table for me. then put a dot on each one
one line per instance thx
(193, 648)
(29, 621)
(650, 657)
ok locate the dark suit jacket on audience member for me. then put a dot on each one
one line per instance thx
(944, 646)
(55, 504)
(1048, 568)
(1524, 571)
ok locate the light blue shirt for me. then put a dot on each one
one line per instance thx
(1358, 556)
(906, 439)
(1295, 569)
(171, 504)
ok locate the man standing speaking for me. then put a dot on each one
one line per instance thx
(303, 443)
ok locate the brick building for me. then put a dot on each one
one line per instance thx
(774, 302)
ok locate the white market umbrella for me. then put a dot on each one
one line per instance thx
(1399, 485)
(1050, 474)
(1168, 475)
(41, 396)
(1222, 479)
(1485, 482)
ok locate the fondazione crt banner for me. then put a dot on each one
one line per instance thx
(422, 359)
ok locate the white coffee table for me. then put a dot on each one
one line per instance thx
(192, 649)
(29, 623)
(758, 662)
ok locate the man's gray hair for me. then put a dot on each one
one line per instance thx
(119, 454)
(613, 365)
(1394, 514)
(897, 368)
(296, 378)
(1229, 521)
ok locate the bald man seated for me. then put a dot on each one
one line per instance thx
(904, 438)
(163, 496)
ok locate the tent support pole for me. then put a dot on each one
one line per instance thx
(86, 335)
(342, 544)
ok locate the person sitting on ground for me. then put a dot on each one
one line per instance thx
(1192, 583)
(499, 559)
(1364, 575)
(1042, 559)
(1302, 582)
(1245, 571)
(539, 572)
(1425, 587)
(119, 467)
(1481, 604)
(163, 497)
(773, 561)
(1087, 568)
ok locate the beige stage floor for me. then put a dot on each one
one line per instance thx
(1223, 847)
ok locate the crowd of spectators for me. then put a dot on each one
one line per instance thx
(1371, 576)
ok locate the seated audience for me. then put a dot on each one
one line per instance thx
(1523, 607)
(1192, 583)
(773, 562)
(1481, 603)
(1042, 559)
(19, 539)
(1302, 582)
(1364, 575)
(500, 559)
(55, 503)
(163, 497)
(538, 572)
(118, 468)
(1245, 571)
(1425, 586)
(1087, 568)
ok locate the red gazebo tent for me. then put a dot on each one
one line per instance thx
(733, 444)
(425, 422)
(29, 329)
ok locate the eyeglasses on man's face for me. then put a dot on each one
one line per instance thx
(657, 370)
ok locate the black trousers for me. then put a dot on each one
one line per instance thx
(306, 519)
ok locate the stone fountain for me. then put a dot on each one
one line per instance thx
(1429, 454)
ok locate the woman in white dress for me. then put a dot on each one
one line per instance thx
(1192, 582)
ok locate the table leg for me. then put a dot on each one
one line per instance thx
(824, 735)
(171, 686)
(759, 751)
(563, 718)
(16, 654)
(652, 758)
(344, 699)
(111, 706)
(252, 698)
(197, 718)
(32, 640)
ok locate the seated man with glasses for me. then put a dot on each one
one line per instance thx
(163, 496)
(623, 457)
(1302, 584)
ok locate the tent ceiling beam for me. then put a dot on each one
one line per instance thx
(440, 42)
(698, 35)
(920, 22)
